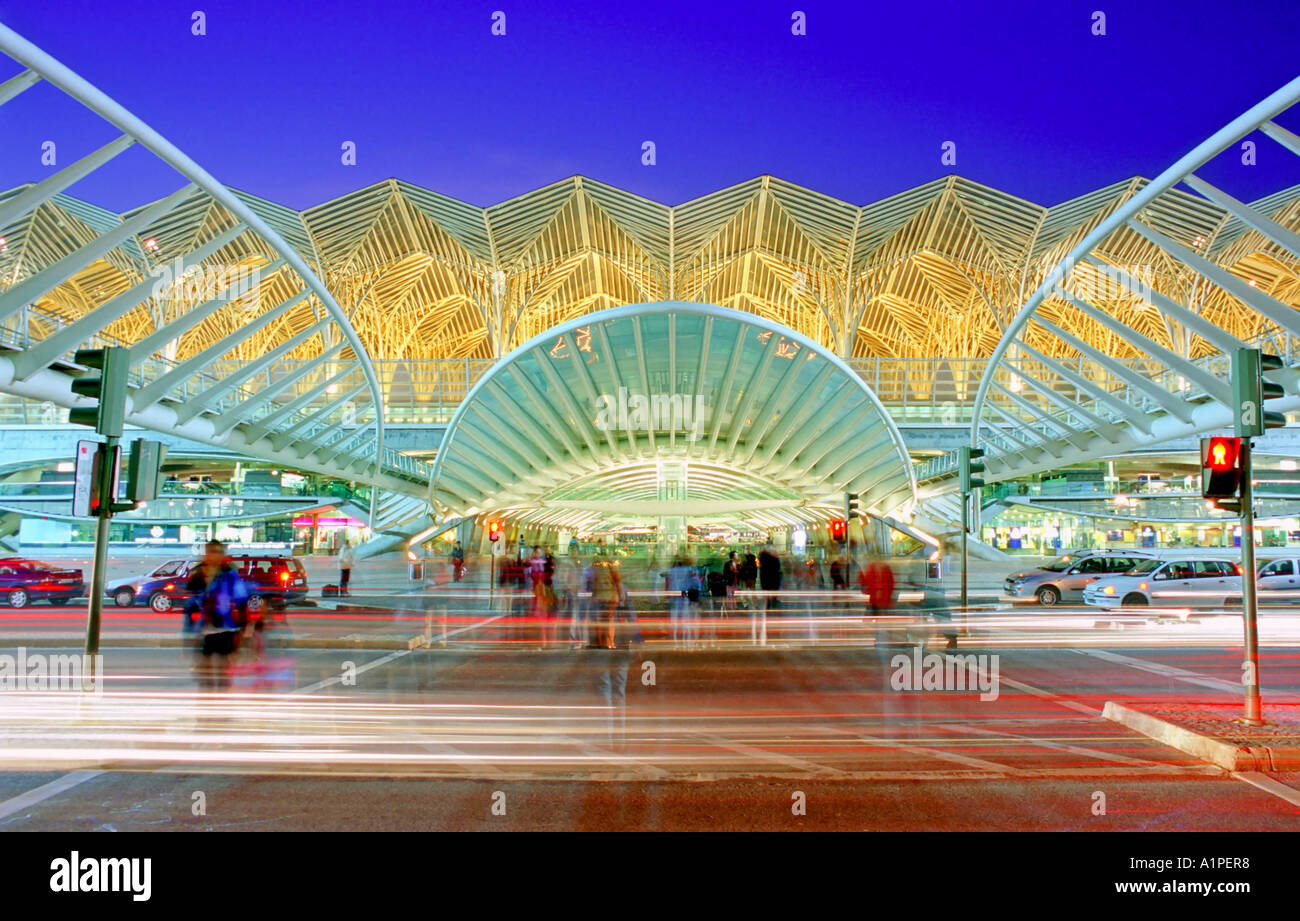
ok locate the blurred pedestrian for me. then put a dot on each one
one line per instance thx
(877, 581)
(607, 593)
(548, 601)
(748, 571)
(568, 583)
(838, 581)
(220, 597)
(769, 580)
(681, 579)
(731, 579)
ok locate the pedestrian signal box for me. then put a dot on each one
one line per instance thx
(1220, 467)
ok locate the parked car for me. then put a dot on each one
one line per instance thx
(1180, 583)
(273, 580)
(1064, 578)
(24, 581)
(1279, 581)
(161, 589)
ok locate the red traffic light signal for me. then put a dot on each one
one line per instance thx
(839, 530)
(494, 530)
(1220, 467)
(1221, 453)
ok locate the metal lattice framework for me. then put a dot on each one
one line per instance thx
(936, 270)
(403, 273)
(670, 409)
(939, 270)
(206, 274)
(1229, 276)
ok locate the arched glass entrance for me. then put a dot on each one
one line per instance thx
(668, 413)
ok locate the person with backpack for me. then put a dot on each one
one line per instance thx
(220, 597)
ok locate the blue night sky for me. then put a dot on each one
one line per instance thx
(858, 109)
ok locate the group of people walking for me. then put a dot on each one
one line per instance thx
(578, 601)
(585, 601)
(591, 598)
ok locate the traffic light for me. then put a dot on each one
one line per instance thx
(967, 460)
(494, 530)
(1220, 467)
(839, 530)
(107, 385)
(1250, 390)
(144, 470)
(851, 506)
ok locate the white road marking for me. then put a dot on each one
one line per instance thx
(1168, 671)
(937, 753)
(463, 759)
(361, 669)
(643, 768)
(67, 781)
(45, 791)
(418, 641)
(1036, 692)
(764, 754)
(1048, 743)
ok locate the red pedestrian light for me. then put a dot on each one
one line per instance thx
(1220, 467)
(1222, 452)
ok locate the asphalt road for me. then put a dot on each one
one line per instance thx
(491, 732)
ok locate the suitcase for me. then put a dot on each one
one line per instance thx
(330, 591)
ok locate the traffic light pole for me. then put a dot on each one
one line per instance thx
(103, 515)
(1249, 599)
(965, 529)
(967, 466)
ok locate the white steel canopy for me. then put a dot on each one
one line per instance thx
(609, 413)
(1049, 399)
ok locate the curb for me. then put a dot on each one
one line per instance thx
(1227, 755)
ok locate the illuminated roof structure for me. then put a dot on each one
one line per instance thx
(350, 293)
(670, 409)
(936, 270)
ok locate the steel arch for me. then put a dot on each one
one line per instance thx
(311, 426)
(1063, 401)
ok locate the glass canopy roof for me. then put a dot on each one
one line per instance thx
(671, 408)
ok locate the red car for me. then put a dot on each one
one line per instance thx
(24, 581)
(273, 580)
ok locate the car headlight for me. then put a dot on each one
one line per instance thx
(1109, 589)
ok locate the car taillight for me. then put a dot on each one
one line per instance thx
(1237, 566)
(284, 577)
(170, 586)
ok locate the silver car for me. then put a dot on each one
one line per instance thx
(1170, 583)
(1064, 578)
